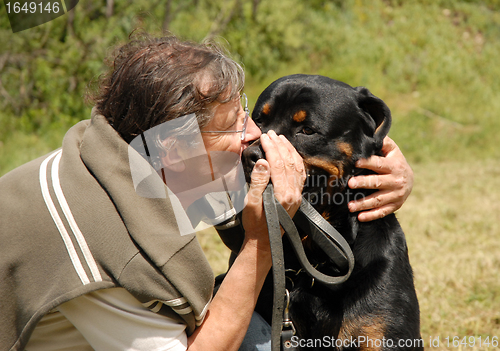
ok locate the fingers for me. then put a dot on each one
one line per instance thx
(394, 182)
(388, 146)
(376, 200)
(287, 170)
(297, 173)
(284, 166)
(253, 216)
(386, 181)
(375, 163)
(377, 213)
(385, 164)
(258, 181)
(297, 159)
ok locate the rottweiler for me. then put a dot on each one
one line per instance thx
(332, 125)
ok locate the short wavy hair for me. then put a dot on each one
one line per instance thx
(154, 80)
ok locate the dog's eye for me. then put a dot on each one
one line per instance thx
(307, 131)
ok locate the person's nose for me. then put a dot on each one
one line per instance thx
(253, 132)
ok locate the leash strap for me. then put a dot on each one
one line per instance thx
(323, 234)
(328, 239)
(276, 243)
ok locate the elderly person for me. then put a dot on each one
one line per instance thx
(87, 263)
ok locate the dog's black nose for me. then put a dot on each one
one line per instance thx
(250, 156)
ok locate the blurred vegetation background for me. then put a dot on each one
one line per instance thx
(434, 62)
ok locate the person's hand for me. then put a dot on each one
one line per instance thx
(287, 171)
(394, 181)
(284, 166)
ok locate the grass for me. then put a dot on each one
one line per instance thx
(217, 253)
(19, 148)
(452, 227)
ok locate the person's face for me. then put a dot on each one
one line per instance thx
(223, 148)
(229, 116)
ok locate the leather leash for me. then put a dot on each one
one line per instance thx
(323, 234)
(273, 227)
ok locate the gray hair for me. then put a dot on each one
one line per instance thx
(155, 80)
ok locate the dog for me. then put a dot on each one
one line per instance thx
(332, 125)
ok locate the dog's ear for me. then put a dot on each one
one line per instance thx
(378, 111)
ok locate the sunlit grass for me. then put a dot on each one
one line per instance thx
(453, 230)
(217, 253)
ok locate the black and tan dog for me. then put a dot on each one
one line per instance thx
(332, 125)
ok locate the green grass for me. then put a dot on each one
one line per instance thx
(451, 221)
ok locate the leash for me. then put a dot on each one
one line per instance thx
(275, 241)
(323, 234)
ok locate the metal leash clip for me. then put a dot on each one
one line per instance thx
(288, 329)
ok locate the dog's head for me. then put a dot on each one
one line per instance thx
(330, 123)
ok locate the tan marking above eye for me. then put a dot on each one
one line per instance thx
(300, 116)
(266, 109)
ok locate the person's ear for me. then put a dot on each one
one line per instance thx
(172, 160)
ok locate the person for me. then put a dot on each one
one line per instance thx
(88, 262)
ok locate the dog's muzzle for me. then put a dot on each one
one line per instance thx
(250, 156)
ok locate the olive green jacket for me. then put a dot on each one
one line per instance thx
(71, 222)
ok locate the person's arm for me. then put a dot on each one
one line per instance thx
(229, 313)
(394, 182)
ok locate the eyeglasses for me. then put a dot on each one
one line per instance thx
(244, 103)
